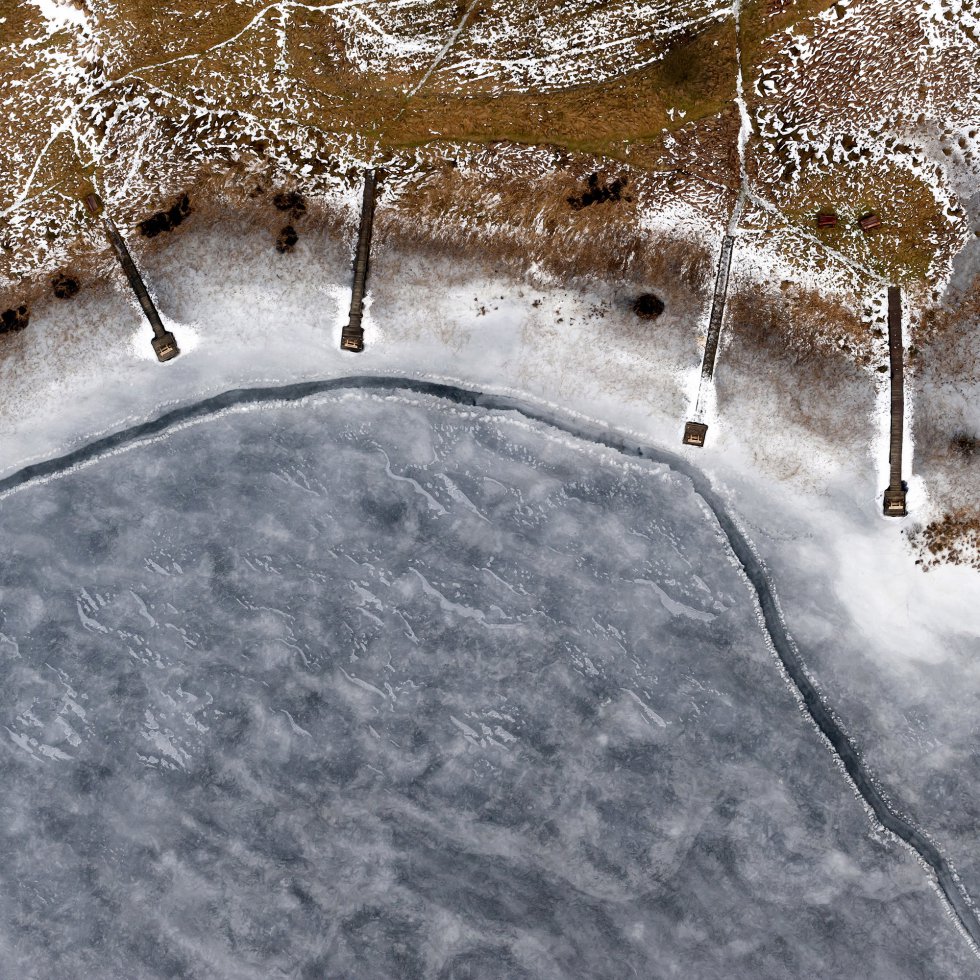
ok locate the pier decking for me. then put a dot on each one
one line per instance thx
(695, 430)
(894, 501)
(352, 338)
(164, 343)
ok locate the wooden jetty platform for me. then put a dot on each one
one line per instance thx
(894, 501)
(352, 338)
(695, 431)
(164, 343)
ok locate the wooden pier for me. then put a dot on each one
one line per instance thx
(164, 343)
(894, 502)
(695, 430)
(352, 338)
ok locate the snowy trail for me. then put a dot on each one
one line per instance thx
(453, 38)
(717, 315)
(958, 901)
(744, 124)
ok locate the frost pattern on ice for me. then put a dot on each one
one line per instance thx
(299, 741)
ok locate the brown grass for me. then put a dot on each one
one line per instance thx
(516, 220)
(151, 32)
(953, 539)
(706, 148)
(695, 77)
(913, 231)
(761, 20)
(942, 320)
(805, 325)
(804, 349)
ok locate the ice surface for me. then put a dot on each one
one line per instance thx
(896, 650)
(371, 687)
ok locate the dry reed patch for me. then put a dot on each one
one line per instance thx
(669, 264)
(32, 296)
(946, 387)
(955, 318)
(234, 198)
(953, 539)
(516, 211)
(791, 345)
(250, 201)
(808, 326)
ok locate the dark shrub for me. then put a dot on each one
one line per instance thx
(14, 319)
(290, 201)
(64, 286)
(287, 239)
(648, 306)
(597, 193)
(166, 220)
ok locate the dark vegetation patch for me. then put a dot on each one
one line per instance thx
(695, 72)
(14, 319)
(291, 201)
(964, 445)
(64, 286)
(166, 220)
(599, 193)
(681, 68)
(648, 306)
(287, 239)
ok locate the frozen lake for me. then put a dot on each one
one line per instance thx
(371, 687)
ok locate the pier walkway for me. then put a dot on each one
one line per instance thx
(352, 338)
(164, 343)
(695, 430)
(894, 502)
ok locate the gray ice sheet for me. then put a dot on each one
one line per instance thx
(371, 687)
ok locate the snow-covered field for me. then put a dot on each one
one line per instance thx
(371, 686)
(894, 650)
